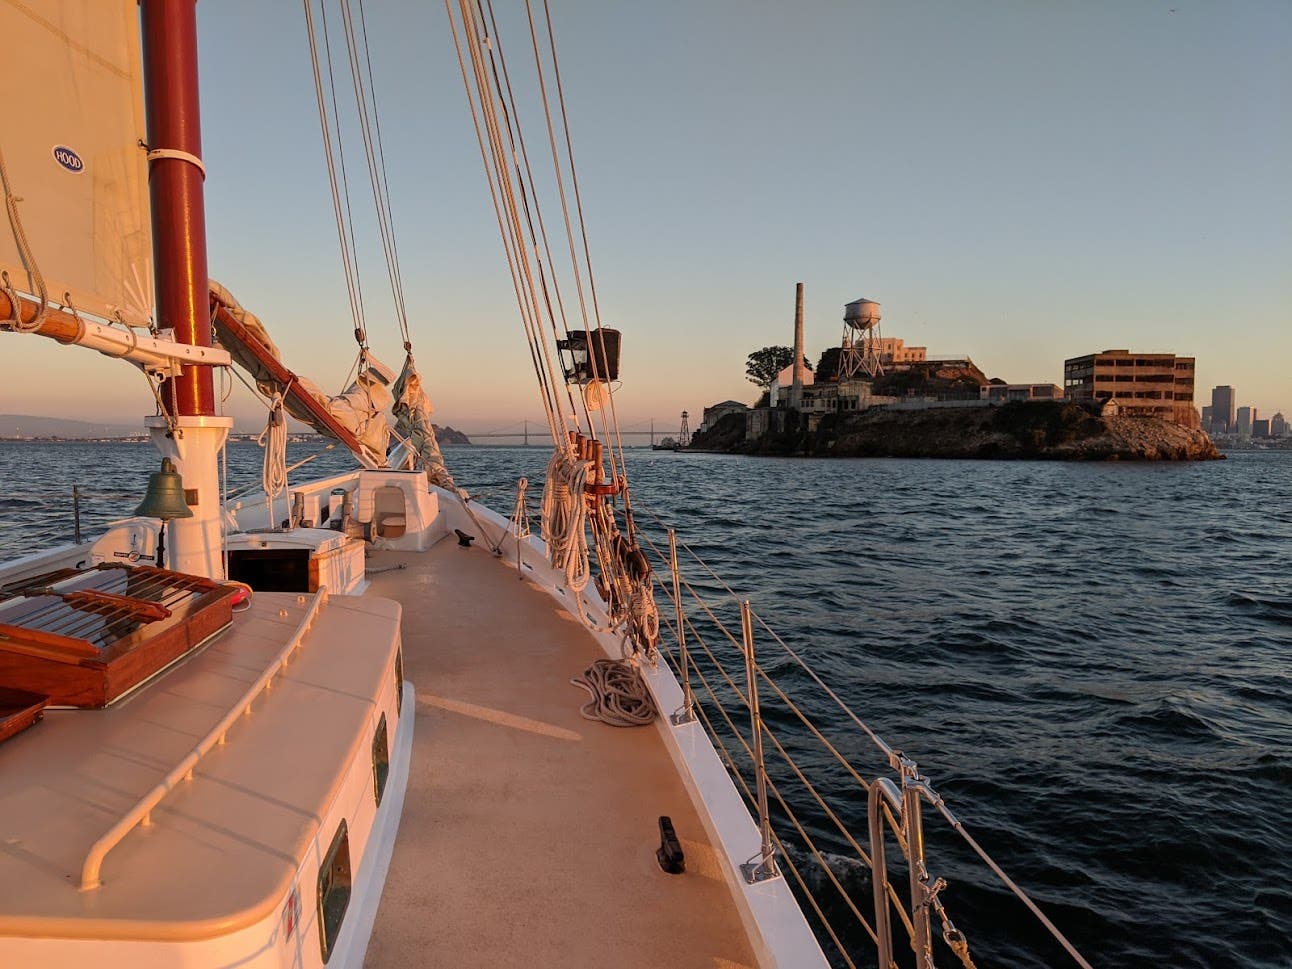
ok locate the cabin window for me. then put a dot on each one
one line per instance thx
(399, 681)
(380, 759)
(334, 889)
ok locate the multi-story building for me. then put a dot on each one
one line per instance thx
(1260, 429)
(1142, 384)
(1246, 417)
(1278, 426)
(894, 354)
(1223, 400)
(1208, 416)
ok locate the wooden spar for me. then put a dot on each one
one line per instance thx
(175, 185)
(58, 324)
(286, 378)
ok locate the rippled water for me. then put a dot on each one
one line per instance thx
(1089, 661)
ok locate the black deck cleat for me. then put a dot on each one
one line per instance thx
(670, 855)
(464, 539)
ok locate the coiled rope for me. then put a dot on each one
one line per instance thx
(620, 696)
(564, 514)
(273, 439)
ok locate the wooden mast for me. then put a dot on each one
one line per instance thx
(175, 177)
(191, 434)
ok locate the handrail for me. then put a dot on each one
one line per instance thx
(903, 797)
(141, 812)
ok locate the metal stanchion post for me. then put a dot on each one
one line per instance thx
(913, 831)
(765, 866)
(687, 712)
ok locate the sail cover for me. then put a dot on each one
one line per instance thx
(70, 134)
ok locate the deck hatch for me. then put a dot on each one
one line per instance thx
(334, 890)
(86, 637)
(380, 759)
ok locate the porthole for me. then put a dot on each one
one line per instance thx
(380, 759)
(334, 890)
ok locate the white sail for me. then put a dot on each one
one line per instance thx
(71, 128)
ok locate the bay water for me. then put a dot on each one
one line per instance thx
(1090, 663)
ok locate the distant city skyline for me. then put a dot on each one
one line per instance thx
(1017, 183)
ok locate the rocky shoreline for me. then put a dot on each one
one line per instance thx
(1033, 430)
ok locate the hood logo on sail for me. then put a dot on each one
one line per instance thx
(68, 159)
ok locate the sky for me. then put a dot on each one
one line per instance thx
(1017, 181)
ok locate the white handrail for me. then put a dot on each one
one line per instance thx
(141, 811)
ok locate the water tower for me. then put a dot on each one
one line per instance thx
(859, 352)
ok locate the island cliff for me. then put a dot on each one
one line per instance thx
(1038, 430)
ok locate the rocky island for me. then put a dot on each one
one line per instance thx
(1038, 430)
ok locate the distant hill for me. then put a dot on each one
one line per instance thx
(28, 425)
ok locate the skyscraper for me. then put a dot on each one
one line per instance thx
(1243, 423)
(1222, 406)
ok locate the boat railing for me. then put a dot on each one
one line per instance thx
(745, 699)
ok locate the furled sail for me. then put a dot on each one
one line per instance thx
(412, 413)
(73, 126)
(359, 409)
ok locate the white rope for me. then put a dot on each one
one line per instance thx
(620, 696)
(274, 440)
(15, 322)
(564, 515)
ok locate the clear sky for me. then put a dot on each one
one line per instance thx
(1019, 181)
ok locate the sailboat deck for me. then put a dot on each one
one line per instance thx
(529, 833)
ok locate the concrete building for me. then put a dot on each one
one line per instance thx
(781, 390)
(718, 411)
(1208, 417)
(1260, 429)
(1000, 393)
(1142, 384)
(1243, 421)
(1223, 400)
(894, 354)
(1278, 426)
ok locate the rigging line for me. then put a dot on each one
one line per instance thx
(558, 439)
(524, 156)
(515, 136)
(361, 334)
(587, 252)
(612, 418)
(28, 259)
(381, 154)
(337, 209)
(491, 119)
(385, 222)
(516, 241)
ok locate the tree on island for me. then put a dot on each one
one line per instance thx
(827, 368)
(762, 366)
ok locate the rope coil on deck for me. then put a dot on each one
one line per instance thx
(620, 696)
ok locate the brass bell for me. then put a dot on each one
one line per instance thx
(164, 498)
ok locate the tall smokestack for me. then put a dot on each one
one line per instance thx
(796, 390)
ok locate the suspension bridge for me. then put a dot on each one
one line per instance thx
(531, 431)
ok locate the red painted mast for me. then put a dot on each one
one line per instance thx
(175, 185)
